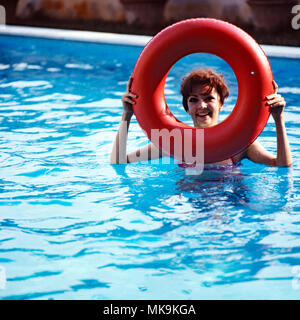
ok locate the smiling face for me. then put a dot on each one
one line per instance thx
(204, 106)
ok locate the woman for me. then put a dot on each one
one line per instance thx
(203, 92)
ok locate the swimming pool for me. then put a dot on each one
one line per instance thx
(75, 227)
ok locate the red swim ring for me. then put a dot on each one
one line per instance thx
(246, 58)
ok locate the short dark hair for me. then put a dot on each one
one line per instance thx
(205, 77)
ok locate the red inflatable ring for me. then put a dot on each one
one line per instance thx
(246, 58)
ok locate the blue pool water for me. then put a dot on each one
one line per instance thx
(72, 226)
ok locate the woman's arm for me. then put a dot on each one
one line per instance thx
(257, 153)
(119, 151)
(118, 154)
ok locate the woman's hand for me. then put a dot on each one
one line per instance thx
(257, 153)
(276, 103)
(127, 99)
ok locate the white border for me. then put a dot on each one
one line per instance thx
(122, 39)
(75, 35)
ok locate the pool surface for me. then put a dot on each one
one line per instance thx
(72, 226)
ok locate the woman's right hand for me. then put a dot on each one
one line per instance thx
(127, 99)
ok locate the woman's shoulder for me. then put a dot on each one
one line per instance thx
(243, 154)
(254, 152)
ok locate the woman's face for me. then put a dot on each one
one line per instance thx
(204, 107)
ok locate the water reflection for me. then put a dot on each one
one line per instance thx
(218, 186)
(150, 187)
(220, 219)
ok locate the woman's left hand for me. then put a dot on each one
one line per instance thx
(276, 103)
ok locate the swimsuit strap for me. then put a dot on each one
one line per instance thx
(187, 165)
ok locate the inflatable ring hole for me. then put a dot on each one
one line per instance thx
(188, 64)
